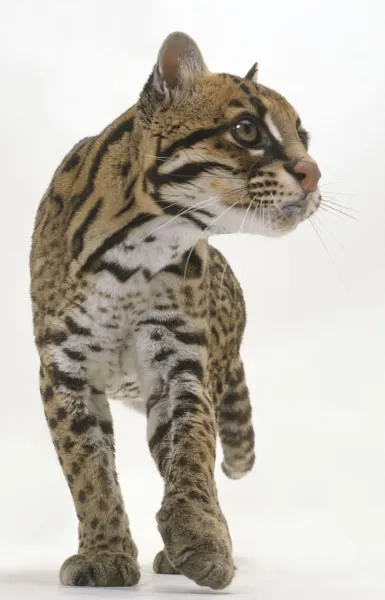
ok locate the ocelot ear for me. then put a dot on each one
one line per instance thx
(253, 73)
(179, 62)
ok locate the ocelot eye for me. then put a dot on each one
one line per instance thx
(246, 132)
(304, 137)
(302, 134)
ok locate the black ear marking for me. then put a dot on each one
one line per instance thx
(253, 73)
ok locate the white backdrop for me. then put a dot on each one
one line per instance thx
(309, 522)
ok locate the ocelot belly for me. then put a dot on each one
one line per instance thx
(115, 372)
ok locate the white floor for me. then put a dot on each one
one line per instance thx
(262, 582)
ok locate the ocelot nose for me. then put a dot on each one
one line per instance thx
(306, 171)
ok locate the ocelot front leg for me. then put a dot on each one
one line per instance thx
(172, 349)
(81, 427)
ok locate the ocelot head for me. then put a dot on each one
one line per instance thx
(221, 149)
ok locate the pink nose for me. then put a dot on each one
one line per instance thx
(308, 174)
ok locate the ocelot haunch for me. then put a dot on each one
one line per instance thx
(130, 302)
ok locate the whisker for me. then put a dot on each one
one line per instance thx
(204, 231)
(278, 207)
(189, 209)
(328, 252)
(160, 158)
(334, 193)
(263, 222)
(226, 265)
(330, 183)
(254, 213)
(338, 204)
(337, 241)
(245, 215)
(207, 174)
(269, 216)
(329, 208)
(183, 211)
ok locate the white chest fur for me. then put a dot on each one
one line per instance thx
(113, 306)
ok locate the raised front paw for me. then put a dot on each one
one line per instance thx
(197, 545)
(100, 569)
(162, 565)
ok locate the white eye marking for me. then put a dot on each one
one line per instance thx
(256, 151)
(272, 127)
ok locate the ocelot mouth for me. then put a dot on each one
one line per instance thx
(294, 208)
(299, 205)
(292, 205)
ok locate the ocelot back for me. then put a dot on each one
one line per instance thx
(131, 302)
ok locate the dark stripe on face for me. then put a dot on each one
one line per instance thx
(275, 149)
(193, 138)
(115, 135)
(259, 106)
(236, 104)
(117, 238)
(78, 237)
(187, 172)
(245, 89)
(125, 169)
(120, 273)
(302, 134)
(176, 209)
(255, 101)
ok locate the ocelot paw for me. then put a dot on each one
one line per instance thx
(162, 565)
(197, 544)
(103, 569)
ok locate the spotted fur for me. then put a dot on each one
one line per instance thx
(130, 302)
